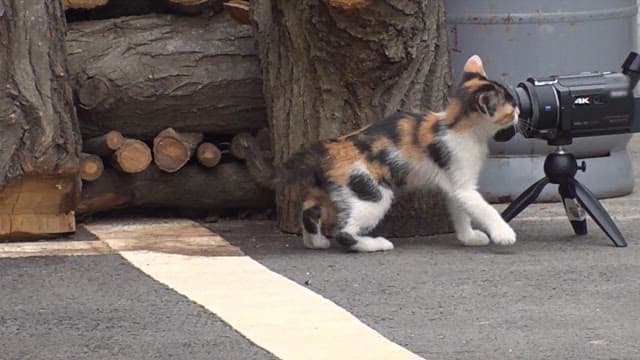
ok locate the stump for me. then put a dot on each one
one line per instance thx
(39, 137)
(330, 67)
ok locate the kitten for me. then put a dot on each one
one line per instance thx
(353, 178)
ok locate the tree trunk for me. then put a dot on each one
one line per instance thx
(227, 186)
(330, 67)
(39, 137)
(140, 75)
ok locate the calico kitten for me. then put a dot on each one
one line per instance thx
(353, 179)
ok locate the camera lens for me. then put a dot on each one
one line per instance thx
(523, 101)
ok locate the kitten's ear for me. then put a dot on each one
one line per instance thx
(474, 65)
(488, 102)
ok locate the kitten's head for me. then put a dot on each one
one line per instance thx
(484, 102)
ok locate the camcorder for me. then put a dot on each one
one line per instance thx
(560, 108)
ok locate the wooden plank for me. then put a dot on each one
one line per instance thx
(173, 236)
(16, 226)
(38, 205)
(53, 248)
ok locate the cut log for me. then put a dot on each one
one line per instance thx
(194, 7)
(348, 4)
(39, 137)
(132, 157)
(208, 154)
(227, 186)
(82, 4)
(120, 8)
(104, 145)
(238, 147)
(91, 166)
(238, 10)
(140, 75)
(172, 150)
(263, 139)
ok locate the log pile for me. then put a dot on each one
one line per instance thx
(162, 101)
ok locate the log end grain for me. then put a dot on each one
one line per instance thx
(91, 167)
(239, 11)
(132, 157)
(240, 145)
(170, 154)
(208, 154)
(348, 4)
(82, 4)
(92, 92)
(113, 140)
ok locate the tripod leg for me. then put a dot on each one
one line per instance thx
(574, 211)
(599, 214)
(525, 199)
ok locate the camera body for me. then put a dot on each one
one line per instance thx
(559, 108)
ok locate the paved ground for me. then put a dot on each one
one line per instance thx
(552, 295)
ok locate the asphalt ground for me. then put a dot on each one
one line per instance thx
(552, 295)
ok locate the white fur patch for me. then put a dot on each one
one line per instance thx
(315, 241)
(370, 244)
(365, 215)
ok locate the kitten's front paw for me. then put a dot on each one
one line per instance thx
(315, 241)
(368, 244)
(503, 235)
(474, 238)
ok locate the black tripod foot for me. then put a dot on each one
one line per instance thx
(572, 208)
(599, 214)
(525, 199)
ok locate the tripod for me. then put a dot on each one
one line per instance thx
(560, 168)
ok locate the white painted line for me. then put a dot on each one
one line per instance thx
(275, 313)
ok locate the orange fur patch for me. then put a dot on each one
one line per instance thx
(425, 129)
(317, 196)
(504, 115)
(342, 155)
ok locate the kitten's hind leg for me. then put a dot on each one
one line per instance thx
(462, 225)
(360, 214)
(312, 227)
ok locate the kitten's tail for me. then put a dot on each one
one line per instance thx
(301, 167)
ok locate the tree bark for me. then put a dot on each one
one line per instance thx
(329, 68)
(140, 75)
(39, 136)
(227, 186)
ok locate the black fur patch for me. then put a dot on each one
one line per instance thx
(466, 76)
(399, 170)
(311, 219)
(439, 152)
(439, 128)
(389, 125)
(362, 143)
(345, 239)
(364, 187)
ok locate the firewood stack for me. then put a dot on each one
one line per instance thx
(162, 97)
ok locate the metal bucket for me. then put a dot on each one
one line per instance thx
(518, 39)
